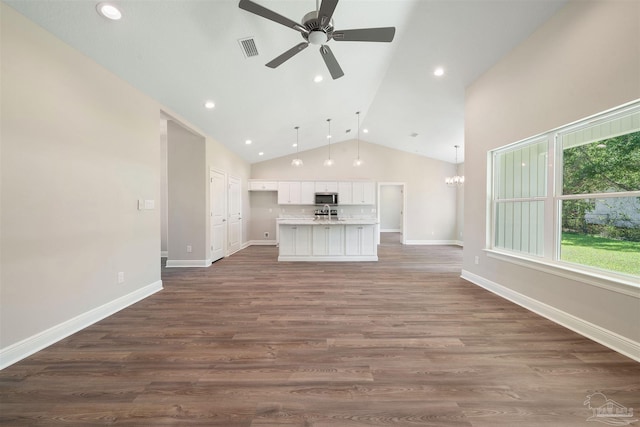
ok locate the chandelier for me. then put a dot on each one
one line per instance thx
(455, 180)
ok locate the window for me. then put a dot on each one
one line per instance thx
(572, 196)
(520, 190)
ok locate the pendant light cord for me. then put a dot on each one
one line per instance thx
(358, 114)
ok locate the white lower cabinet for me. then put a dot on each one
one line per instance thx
(295, 240)
(360, 240)
(328, 240)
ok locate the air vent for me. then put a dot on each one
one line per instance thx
(248, 46)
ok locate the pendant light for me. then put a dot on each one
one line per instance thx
(455, 180)
(357, 162)
(329, 162)
(297, 162)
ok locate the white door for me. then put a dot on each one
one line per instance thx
(235, 215)
(218, 202)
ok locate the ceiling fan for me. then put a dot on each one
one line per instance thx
(317, 29)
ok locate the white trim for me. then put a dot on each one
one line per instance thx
(329, 258)
(617, 284)
(28, 346)
(404, 208)
(431, 242)
(164, 254)
(261, 243)
(587, 329)
(391, 230)
(459, 243)
(171, 263)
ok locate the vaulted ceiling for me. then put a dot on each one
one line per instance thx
(183, 53)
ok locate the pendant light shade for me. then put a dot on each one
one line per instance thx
(329, 161)
(455, 180)
(297, 162)
(357, 161)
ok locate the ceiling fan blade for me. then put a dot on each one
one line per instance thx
(331, 62)
(382, 34)
(287, 55)
(326, 11)
(255, 8)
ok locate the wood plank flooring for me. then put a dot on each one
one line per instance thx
(255, 343)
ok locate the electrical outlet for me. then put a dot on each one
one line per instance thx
(121, 277)
(189, 249)
(266, 234)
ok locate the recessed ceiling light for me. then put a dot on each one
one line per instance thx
(109, 11)
(248, 142)
(209, 104)
(365, 130)
(438, 72)
(261, 154)
(318, 78)
(294, 145)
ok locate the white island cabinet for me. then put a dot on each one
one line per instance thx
(360, 240)
(295, 240)
(327, 240)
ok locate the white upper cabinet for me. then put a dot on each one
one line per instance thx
(289, 193)
(258, 185)
(303, 193)
(345, 191)
(307, 193)
(364, 193)
(327, 187)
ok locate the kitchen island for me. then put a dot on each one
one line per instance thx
(328, 240)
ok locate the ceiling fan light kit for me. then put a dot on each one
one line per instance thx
(317, 29)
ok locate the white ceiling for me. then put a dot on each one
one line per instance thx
(185, 52)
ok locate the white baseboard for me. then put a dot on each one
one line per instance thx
(390, 230)
(164, 254)
(328, 258)
(587, 329)
(430, 242)
(459, 243)
(171, 263)
(262, 243)
(28, 346)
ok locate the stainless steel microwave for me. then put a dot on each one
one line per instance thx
(327, 199)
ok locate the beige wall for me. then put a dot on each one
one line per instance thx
(187, 186)
(585, 60)
(79, 148)
(431, 205)
(222, 159)
(460, 207)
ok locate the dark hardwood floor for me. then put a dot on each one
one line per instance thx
(253, 342)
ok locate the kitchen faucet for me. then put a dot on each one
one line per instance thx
(328, 209)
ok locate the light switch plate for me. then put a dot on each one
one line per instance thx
(149, 204)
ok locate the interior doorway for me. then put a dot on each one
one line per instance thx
(218, 223)
(391, 208)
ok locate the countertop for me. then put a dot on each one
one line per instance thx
(341, 221)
